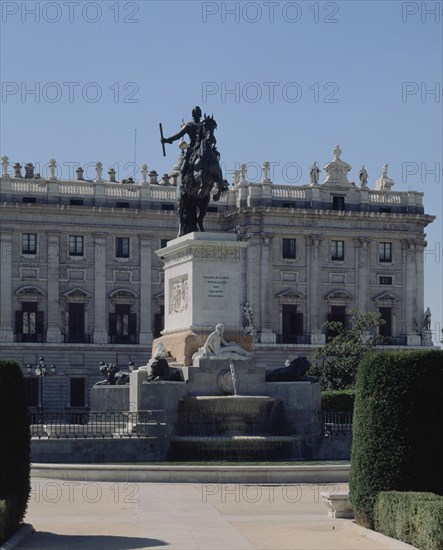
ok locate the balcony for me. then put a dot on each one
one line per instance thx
(293, 339)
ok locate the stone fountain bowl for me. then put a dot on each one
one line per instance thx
(230, 414)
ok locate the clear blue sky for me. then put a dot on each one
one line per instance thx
(304, 77)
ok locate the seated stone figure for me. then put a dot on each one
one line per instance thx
(216, 346)
(293, 371)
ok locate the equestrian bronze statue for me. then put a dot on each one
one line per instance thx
(200, 172)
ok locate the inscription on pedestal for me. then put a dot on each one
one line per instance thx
(215, 292)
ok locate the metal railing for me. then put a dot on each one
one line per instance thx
(335, 423)
(95, 424)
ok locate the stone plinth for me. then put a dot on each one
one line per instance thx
(110, 398)
(213, 377)
(202, 288)
(338, 504)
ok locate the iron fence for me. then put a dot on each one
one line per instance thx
(95, 424)
(335, 423)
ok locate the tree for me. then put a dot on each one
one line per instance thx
(337, 361)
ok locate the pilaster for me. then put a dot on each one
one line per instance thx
(313, 244)
(145, 335)
(7, 254)
(266, 262)
(100, 333)
(53, 332)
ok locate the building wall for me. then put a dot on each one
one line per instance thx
(298, 291)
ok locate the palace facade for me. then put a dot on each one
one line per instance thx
(81, 283)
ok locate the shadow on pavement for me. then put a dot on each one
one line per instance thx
(42, 540)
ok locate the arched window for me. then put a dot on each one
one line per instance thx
(29, 317)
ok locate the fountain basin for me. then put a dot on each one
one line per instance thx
(235, 447)
(231, 427)
(230, 415)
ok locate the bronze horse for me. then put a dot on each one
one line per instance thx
(204, 173)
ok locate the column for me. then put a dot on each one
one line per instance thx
(100, 334)
(313, 243)
(53, 332)
(7, 254)
(145, 335)
(267, 334)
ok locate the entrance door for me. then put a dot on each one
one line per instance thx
(76, 323)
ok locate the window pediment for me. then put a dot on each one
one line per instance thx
(338, 296)
(386, 297)
(77, 295)
(290, 295)
(30, 294)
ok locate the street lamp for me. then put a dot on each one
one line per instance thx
(41, 370)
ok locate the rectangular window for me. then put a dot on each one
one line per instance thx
(29, 200)
(386, 315)
(122, 247)
(382, 280)
(29, 243)
(31, 390)
(292, 324)
(76, 323)
(77, 392)
(167, 206)
(289, 248)
(76, 202)
(338, 203)
(337, 315)
(29, 323)
(337, 250)
(385, 252)
(122, 204)
(123, 325)
(75, 245)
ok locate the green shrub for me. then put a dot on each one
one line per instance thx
(337, 400)
(414, 518)
(396, 427)
(14, 448)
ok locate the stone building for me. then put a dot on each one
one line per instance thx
(81, 283)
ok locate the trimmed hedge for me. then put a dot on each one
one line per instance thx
(15, 449)
(414, 518)
(337, 400)
(397, 435)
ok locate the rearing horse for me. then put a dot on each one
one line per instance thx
(204, 173)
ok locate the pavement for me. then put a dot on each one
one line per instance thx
(74, 515)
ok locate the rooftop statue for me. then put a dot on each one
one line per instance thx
(337, 170)
(384, 182)
(200, 172)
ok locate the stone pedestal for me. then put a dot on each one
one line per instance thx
(202, 288)
(338, 504)
(426, 338)
(413, 340)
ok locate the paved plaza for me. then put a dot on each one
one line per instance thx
(73, 515)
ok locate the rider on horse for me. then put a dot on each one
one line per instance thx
(192, 129)
(200, 172)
